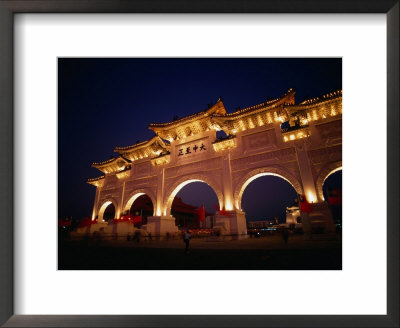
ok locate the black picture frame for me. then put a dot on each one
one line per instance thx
(10, 7)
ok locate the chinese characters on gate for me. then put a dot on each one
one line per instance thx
(191, 149)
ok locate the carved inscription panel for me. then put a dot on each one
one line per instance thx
(330, 132)
(327, 154)
(260, 140)
(192, 151)
(272, 157)
(206, 165)
(140, 183)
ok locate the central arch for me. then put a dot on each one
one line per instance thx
(254, 174)
(135, 195)
(180, 183)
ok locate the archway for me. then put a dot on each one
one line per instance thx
(323, 175)
(188, 205)
(179, 184)
(266, 198)
(251, 176)
(107, 211)
(139, 207)
(332, 191)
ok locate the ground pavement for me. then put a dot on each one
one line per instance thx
(321, 252)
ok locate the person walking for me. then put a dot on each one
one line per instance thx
(186, 239)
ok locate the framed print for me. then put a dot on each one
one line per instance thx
(46, 61)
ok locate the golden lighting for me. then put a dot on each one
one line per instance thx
(228, 205)
(161, 160)
(123, 175)
(242, 125)
(311, 198)
(299, 134)
(97, 182)
(260, 121)
(251, 124)
(269, 118)
(225, 144)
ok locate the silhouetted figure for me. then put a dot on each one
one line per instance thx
(186, 239)
(136, 236)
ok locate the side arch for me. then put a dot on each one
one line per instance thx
(254, 174)
(103, 207)
(133, 195)
(185, 180)
(325, 172)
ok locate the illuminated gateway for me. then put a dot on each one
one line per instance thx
(301, 143)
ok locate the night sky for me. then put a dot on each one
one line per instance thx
(109, 102)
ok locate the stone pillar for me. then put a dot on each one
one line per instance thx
(227, 182)
(94, 227)
(305, 171)
(231, 223)
(121, 212)
(320, 217)
(160, 192)
(96, 202)
(162, 223)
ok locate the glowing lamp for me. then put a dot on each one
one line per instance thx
(311, 197)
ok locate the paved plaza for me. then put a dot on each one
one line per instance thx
(321, 252)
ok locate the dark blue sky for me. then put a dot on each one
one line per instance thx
(105, 102)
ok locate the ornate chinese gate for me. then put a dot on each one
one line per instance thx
(301, 143)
